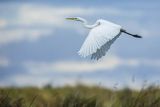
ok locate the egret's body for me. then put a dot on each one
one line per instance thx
(101, 36)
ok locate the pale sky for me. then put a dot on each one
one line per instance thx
(38, 46)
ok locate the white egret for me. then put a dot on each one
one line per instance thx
(101, 36)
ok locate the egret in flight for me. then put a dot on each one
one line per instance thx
(101, 36)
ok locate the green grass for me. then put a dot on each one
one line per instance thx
(79, 96)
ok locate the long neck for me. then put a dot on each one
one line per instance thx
(85, 23)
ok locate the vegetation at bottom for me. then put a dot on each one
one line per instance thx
(79, 96)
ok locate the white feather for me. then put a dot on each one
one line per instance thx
(98, 38)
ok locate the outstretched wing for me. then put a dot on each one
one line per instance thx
(98, 40)
(102, 51)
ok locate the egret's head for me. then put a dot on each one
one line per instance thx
(74, 18)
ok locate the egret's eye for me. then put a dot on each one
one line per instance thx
(77, 19)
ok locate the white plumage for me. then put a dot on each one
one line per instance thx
(101, 36)
(98, 37)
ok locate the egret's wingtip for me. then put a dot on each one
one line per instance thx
(80, 54)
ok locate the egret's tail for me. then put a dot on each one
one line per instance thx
(134, 35)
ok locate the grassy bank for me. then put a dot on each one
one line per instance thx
(79, 96)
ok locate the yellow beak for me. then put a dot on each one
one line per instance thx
(71, 18)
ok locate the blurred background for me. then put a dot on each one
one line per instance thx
(39, 47)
